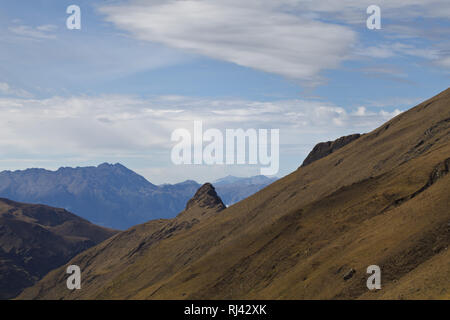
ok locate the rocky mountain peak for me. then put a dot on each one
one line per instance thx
(206, 196)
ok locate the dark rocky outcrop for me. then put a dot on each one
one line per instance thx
(323, 149)
(349, 274)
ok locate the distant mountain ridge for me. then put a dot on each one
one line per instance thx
(111, 195)
(233, 189)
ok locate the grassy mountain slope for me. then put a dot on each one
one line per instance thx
(382, 199)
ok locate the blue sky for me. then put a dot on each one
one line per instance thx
(116, 89)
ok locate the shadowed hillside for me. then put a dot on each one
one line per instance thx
(382, 199)
(35, 239)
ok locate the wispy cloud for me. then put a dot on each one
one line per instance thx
(353, 11)
(297, 39)
(37, 33)
(388, 50)
(396, 102)
(250, 34)
(444, 62)
(8, 90)
(436, 55)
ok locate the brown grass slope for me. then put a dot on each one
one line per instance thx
(382, 199)
(35, 239)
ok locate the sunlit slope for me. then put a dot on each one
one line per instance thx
(382, 199)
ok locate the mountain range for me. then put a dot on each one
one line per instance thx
(234, 189)
(112, 195)
(381, 199)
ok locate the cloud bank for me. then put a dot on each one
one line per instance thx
(129, 127)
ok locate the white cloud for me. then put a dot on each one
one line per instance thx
(36, 33)
(398, 22)
(294, 38)
(7, 90)
(386, 115)
(396, 102)
(353, 11)
(389, 115)
(135, 131)
(121, 124)
(46, 28)
(444, 62)
(361, 111)
(379, 52)
(252, 34)
(434, 55)
(388, 50)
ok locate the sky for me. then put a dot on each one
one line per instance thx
(116, 89)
